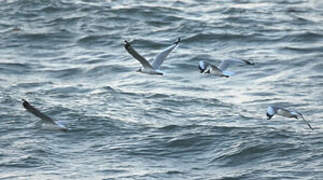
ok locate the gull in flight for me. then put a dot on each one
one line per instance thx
(154, 67)
(220, 70)
(41, 115)
(272, 110)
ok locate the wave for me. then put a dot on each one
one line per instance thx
(184, 125)
(17, 68)
(205, 37)
(66, 73)
(304, 49)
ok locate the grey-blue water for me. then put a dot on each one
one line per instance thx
(67, 59)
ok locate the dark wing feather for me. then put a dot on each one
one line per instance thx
(136, 55)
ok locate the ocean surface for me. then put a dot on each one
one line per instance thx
(67, 59)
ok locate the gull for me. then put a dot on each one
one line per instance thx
(41, 115)
(220, 70)
(272, 110)
(154, 67)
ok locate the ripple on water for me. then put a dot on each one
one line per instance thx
(68, 60)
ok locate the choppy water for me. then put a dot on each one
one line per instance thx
(67, 58)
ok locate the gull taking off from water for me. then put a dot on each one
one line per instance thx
(147, 67)
(220, 70)
(41, 115)
(272, 110)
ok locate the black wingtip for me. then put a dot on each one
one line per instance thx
(126, 44)
(308, 124)
(25, 103)
(178, 41)
(249, 62)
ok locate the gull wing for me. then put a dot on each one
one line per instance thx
(214, 69)
(136, 55)
(226, 63)
(284, 112)
(301, 115)
(41, 115)
(162, 56)
(206, 67)
(36, 112)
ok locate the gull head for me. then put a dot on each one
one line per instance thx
(25, 103)
(202, 66)
(269, 116)
(270, 112)
(294, 115)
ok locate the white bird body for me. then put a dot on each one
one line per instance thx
(272, 110)
(151, 71)
(220, 70)
(154, 67)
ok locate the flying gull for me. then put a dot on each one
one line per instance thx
(220, 70)
(154, 67)
(41, 115)
(272, 110)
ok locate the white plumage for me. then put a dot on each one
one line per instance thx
(272, 110)
(153, 68)
(220, 70)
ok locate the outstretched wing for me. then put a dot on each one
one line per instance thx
(162, 56)
(36, 112)
(41, 115)
(136, 55)
(226, 63)
(301, 115)
(214, 69)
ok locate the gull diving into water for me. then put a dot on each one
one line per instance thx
(272, 110)
(220, 70)
(154, 67)
(42, 116)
